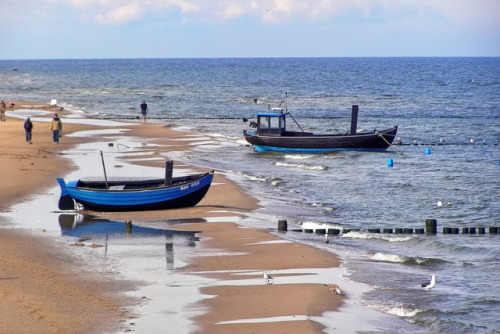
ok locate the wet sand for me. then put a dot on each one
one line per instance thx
(100, 302)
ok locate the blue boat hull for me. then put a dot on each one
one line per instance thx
(135, 196)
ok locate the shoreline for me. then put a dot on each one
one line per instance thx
(247, 249)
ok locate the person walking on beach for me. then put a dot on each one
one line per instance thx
(144, 110)
(56, 127)
(28, 126)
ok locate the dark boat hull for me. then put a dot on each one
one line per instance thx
(310, 143)
(127, 195)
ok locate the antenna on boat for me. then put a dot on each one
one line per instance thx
(104, 168)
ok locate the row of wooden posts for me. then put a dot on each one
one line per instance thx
(430, 229)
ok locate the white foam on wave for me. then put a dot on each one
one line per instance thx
(401, 311)
(384, 257)
(297, 156)
(320, 225)
(386, 237)
(302, 166)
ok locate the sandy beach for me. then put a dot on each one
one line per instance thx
(44, 289)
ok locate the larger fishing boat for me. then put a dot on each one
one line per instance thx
(269, 133)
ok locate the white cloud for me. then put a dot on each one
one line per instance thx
(279, 11)
(120, 15)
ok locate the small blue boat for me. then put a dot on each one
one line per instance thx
(124, 194)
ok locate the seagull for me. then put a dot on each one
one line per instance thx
(472, 140)
(439, 203)
(326, 240)
(334, 288)
(267, 277)
(429, 285)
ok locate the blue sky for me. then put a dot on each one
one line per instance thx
(55, 29)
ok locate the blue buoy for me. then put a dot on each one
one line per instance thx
(427, 151)
(390, 162)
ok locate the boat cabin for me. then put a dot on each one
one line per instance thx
(271, 124)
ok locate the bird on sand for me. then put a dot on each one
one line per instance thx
(334, 288)
(429, 284)
(267, 277)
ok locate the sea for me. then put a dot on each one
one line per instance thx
(446, 166)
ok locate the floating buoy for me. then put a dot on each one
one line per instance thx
(390, 162)
(427, 151)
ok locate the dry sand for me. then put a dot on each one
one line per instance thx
(43, 289)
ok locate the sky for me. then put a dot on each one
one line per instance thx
(85, 29)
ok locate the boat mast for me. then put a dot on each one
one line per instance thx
(104, 168)
(286, 110)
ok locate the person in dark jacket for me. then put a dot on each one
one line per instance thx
(28, 127)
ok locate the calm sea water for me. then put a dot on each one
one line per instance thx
(455, 100)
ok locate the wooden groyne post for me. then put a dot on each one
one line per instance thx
(282, 225)
(431, 226)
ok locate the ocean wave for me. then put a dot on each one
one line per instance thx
(393, 258)
(386, 237)
(273, 180)
(297, 156)
(320, 225)
(401, 311)
(383, 257)
(302, 166)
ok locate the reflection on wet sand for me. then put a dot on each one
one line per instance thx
(88, 227)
